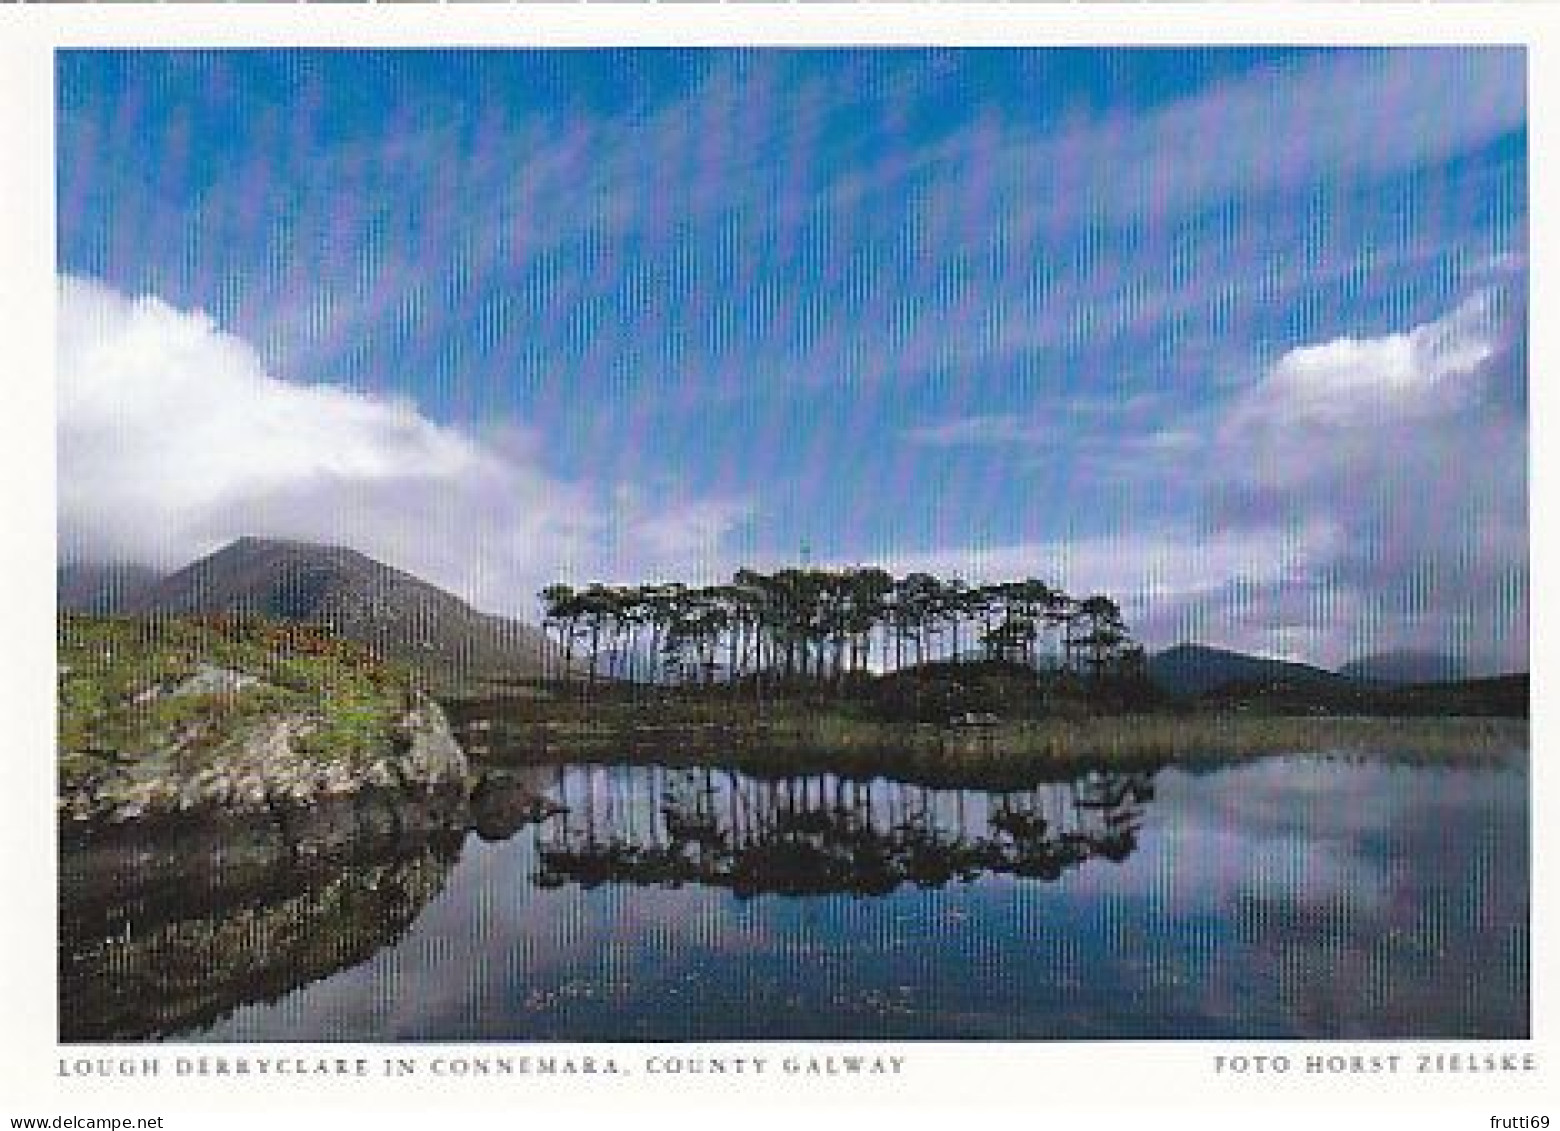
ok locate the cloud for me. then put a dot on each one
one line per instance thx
(1063, 418)
(980, 430)
(796, 227)
(1025, 241)
(1172, 583)
(1336, 116)
(1412, 448)
(222, 425)
(1332, 118)
(1361, 494)
(173, 439)
(1013, 279)
(1431, 371)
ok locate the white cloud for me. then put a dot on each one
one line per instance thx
(1332, 118)
(1432, 370)
(1061, 422)
(1412, 449)
(173, 439)
(1363, 114)
(158, 401)
(1362, 494)
(737, 148)
(976, 431)
(1140, 564)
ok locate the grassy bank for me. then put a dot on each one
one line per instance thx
(820, 739)
(1170, 737)
(155, 713)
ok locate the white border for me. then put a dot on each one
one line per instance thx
(1115, 1084)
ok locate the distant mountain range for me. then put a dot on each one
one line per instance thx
(1195, 669)
(410, 620)
(85, 587)
(400, 616)
(1404, 667)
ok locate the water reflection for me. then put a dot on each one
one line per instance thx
(173, 968)
(822, 834)
(1276, 898)
(169, 928)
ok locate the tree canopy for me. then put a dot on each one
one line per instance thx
(812, 626)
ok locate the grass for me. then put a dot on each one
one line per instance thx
(1198, 735)
(120, 703)
(797, 737)
(120, 718)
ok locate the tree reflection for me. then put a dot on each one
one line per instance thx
(821, 834)
(164, 932)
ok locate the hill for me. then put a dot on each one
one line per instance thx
(1498, 696)
(1195, 669)
(399, 616)
(103, 589)
(1403, 667)
(170, 715)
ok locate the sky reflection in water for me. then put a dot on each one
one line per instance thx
(1280, 898)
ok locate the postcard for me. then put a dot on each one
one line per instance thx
(884, 558)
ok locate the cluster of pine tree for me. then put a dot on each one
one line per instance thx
(810, 626)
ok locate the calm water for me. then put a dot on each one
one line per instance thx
(1294, 897)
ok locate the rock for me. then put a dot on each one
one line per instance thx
(209, 679)
(504, 802)
(339, 781)
(381, 775)
(259, 768)
(435, 756)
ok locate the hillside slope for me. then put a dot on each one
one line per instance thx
(101, 589)
(1195, 669)
(401, 617)
(1404, 667)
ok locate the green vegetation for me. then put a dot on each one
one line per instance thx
(801, 629)
(1504, 696)
(165, 714)
(142, 699)
(860, 663)
(793, 738)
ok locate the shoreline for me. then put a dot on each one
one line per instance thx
(194, 720)
(267, 776)
(1015, 755)
(1112, 738)
(496, 792)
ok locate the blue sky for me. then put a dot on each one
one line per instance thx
(1236, 335)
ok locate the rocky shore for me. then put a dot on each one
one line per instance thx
(246, 807)
(171, 920)
(192, 718)
(265, 767)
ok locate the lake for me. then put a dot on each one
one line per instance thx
(1282, 897)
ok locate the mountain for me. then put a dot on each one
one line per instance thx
(400, 616)
(101, 589)
(1193, 669)
(1403, 667)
